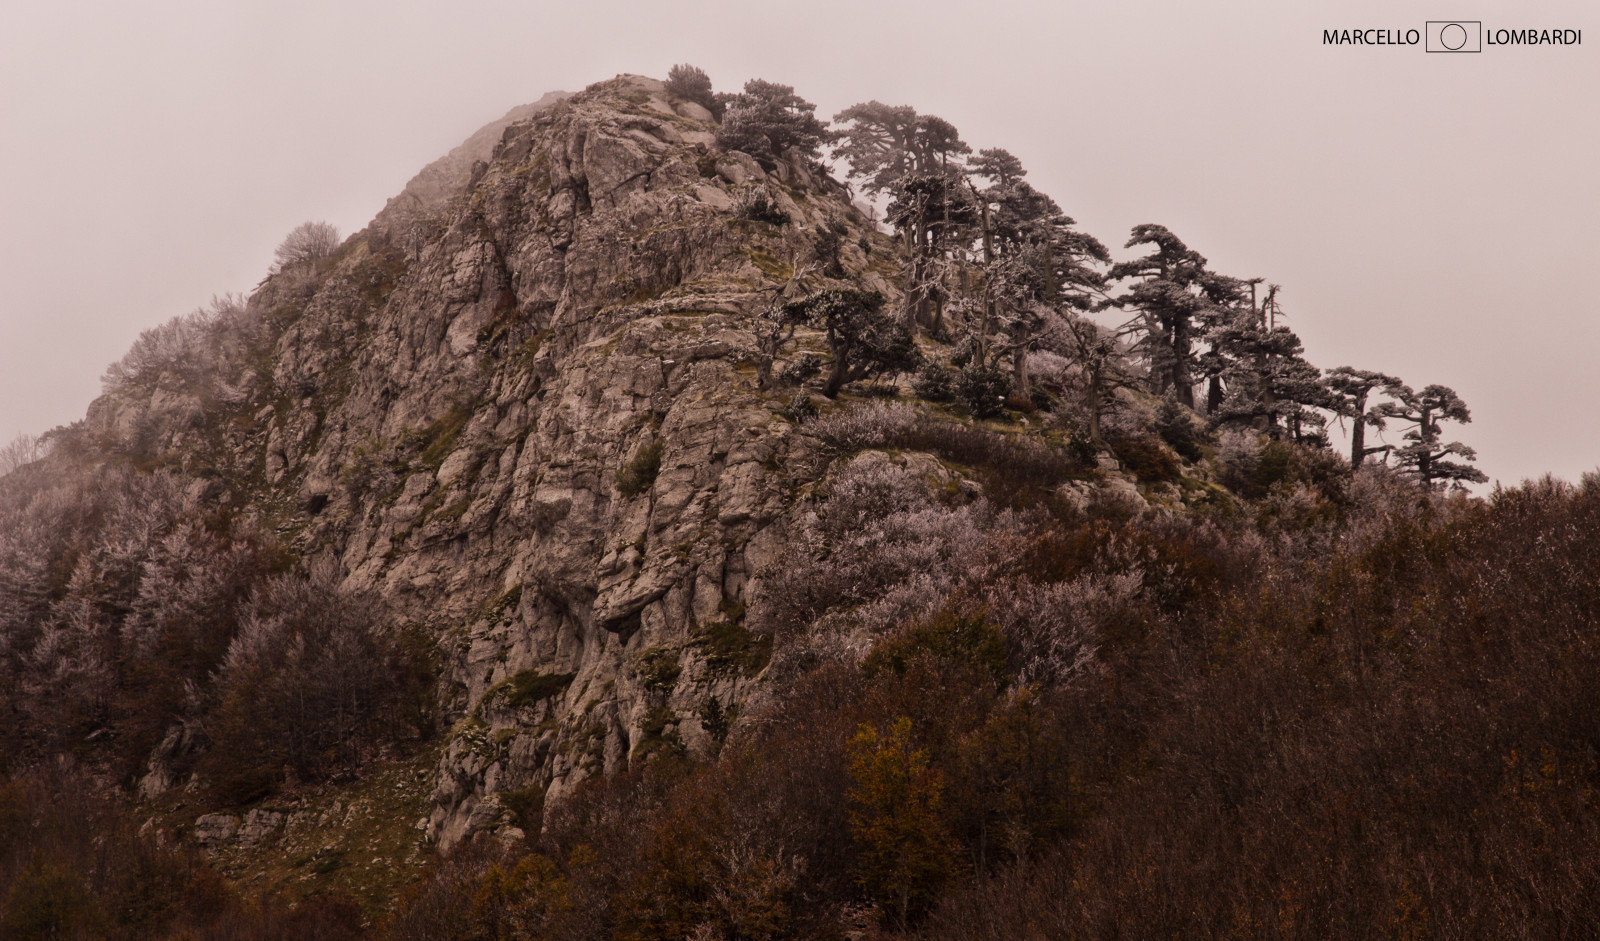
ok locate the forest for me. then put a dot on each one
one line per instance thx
(1081, 625)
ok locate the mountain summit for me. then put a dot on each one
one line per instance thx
(519, 406)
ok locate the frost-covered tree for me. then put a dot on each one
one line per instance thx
(1425, 457)
(313, 678)
(777, 322)
(206, 346)
(1103, 363)
(767, 119)
(1170, 291)
(998, 164)
(864, 342)
(20, 451)
(885, 144)
(1351, 389)
(1258, 375)
(933, 213)
(916, 161)
(1035, 263)
(308, 242)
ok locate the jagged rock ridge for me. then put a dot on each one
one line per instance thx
(519, 404)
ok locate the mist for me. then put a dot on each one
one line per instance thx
(1430, 216)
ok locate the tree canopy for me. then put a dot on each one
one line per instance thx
(1426, 457)
(768, 119)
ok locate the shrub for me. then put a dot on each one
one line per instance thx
(758, 204)
(874, 425)
(1175, 424)
(658, 669)
(717, 720)
(1238, 455)
(968, 639)
(730, 647)
(528, 688)
(1144, 457)
(1015, 469)
(47, 901)
(982, 389)
(829, 242)
(639, 474)
(804, 368)
(308, 242)
(934, 382)
(656, 739)
(692, 84)
(800, 409)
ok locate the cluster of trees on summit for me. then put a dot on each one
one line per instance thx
(994, 266)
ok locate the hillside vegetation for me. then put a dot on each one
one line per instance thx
(628, 535)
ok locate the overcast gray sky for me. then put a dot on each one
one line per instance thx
(1433, 216)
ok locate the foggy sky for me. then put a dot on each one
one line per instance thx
(1431, 216)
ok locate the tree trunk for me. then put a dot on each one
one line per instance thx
(1424, 459)
(1094, 408)
(1182, 381)
(836, 378)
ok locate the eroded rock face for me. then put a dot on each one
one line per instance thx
(521, 405)
(213, 831)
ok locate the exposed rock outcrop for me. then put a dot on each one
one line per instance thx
(521, 405)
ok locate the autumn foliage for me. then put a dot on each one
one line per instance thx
(1378, 724)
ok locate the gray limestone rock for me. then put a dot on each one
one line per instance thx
(531, 377)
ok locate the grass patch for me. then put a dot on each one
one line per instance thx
(769, 264)
(358, 840)
(499, 607)
(438, 439)
(524, 355)
(455, 510)
(1016, 470)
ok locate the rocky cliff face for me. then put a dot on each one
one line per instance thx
(521, 404)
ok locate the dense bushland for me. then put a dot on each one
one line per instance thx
(1377, 723)
(142, 630)
(73, 866)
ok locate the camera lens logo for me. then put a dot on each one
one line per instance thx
(1455, 36)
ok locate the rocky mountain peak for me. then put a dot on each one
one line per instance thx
(520, 406)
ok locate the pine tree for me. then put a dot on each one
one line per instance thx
(1170, 291)
(863, 341)
(1258, 377)
(1426, 458)
(767, 119)
(885, 144)
(693, 84)
(1351, 388)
